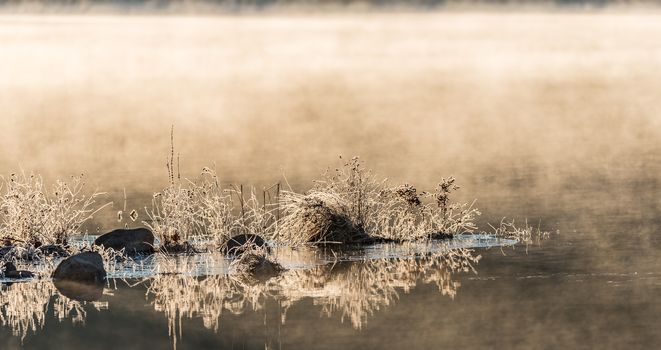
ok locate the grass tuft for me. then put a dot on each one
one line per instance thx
(33, 216)
(350, 205)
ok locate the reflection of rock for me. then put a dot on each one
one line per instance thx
(240, 243)
(255, 264)
(84, 267)
(133, 241)
(79, 291)
(10, 271)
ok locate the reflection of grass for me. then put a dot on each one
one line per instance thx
(351, 290)
(365, 288)
(24, 307)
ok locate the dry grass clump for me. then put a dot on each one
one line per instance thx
(188, 213)
(33, 216)
(177, 217)
(177, 214)
(404, 214)
(319, 217)
(350, 205)
(257, 216)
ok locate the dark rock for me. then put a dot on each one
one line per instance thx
(9, 267)
(442, 235)
(83, 267)
(10, 271)
(238, 244)
(133, 241)
(80, 291)
(181, 248)
(53, 250)
(20, 274)
(321, 223)
(341, 230)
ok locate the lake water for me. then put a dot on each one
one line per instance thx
(549, 118)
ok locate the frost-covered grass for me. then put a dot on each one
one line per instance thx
(203, 213)
(353, 202)
(349, 204)
(33, 214)
(190, 215)
(526, 235)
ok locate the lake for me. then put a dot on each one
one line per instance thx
(549, 118)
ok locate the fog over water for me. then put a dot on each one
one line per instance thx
(550, 117)
(498, 100)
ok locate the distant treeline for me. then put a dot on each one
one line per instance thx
(238, 6)
(312, 3)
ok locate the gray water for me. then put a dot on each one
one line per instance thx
(549, 118)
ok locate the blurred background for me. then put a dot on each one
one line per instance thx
(515, 104)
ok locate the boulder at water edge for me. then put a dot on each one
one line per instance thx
(84, 267)
(133, 241)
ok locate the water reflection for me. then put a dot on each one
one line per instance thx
(24, 307)
(352, 290)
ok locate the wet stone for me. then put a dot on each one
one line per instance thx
(83, 267)
(133, 241)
